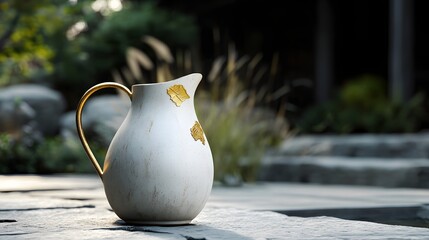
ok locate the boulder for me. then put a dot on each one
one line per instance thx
(20, 104)
(101, 118)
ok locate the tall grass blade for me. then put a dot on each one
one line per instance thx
(137, 59)
(162, 51)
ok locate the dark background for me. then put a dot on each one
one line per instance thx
(361, 34)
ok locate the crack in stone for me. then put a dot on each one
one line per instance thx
(32, 190)
(77, 199)
(7, 220)
(12, 234)
(44, 190)
(192, 238)
(143, 229)
(48, 208)
(132, 229)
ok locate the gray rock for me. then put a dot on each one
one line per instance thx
(47, 105)
(68, 124)
(383, 172)
(101, 118)
(388, 160)
(15, 116)
(363, 145)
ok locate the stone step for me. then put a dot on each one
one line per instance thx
(358, 145)
(384, 172)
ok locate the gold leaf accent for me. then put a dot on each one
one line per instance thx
(198, 133)
(177, 94)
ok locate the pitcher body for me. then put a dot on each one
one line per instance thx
(159, 167)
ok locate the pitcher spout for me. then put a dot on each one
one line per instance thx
(191, 81)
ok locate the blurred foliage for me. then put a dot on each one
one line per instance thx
(235, 113)
(44, 156)
(72, 45)
(363, 92)
(363, 106)
(105, 42)
(239, 136)
(24, 54)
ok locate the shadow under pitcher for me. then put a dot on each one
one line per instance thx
(158, 169)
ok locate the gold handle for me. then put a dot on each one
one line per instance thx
(79, 119)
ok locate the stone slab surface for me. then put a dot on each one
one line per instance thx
(74, 207)
(358, 145)
(384, 172)
(386, 160)
(100, 223)
(296, 196)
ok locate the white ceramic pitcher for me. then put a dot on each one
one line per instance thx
(158, 168)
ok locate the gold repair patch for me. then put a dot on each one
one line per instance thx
(177, 94)
(198, 133)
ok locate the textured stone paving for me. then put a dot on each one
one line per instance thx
(385, 160)
(74, 207)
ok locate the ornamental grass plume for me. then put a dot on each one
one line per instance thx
(232, 106)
